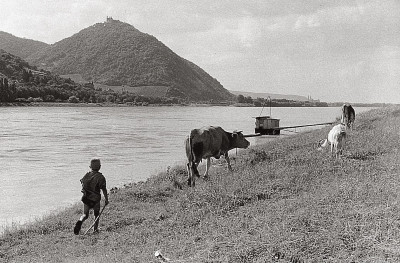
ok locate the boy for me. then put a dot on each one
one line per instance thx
(92, 182)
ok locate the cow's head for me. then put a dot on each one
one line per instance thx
(239, 140)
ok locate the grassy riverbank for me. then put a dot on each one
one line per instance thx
(285, 201)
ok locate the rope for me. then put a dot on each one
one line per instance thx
(270, 102)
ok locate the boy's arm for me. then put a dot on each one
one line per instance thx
(105, 195)
(104, 189)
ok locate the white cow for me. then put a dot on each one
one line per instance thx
(336, 138)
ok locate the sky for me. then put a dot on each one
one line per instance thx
(335, 51)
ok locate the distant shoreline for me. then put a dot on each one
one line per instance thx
(82, 104)
(67, 104)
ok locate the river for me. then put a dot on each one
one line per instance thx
(45, 151)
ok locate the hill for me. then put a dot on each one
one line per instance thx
(12, 66)
(256, 95)
(284, 202)
(21, 82)
(115, 53)
(20, 47)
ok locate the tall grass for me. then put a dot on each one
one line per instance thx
(284, 202)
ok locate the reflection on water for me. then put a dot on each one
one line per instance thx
(45, 151)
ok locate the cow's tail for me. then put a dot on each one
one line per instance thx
(191, 165)
(189, 156)
(324, 143)
(195, 150)
(188, 148)
(342, 132)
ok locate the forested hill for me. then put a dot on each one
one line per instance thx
(116, 53)
(20, 47)
(23, 83)
(12, 66)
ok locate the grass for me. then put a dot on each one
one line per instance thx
(284, 202)
(147, 91)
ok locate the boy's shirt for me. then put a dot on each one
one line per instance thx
(92, 183)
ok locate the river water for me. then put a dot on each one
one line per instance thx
(45, 151)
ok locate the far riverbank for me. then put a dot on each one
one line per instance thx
(68, 104)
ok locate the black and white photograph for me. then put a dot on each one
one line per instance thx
(200, 131)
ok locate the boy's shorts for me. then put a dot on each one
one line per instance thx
(89, 203)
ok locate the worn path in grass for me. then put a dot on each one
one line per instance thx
(284, 202)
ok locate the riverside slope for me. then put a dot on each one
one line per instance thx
(285, 201)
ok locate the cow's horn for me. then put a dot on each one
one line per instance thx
(252, 135)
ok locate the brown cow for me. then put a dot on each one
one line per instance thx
(348, 116)
(210, 142)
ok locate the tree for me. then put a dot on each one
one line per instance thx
(110, 98)
(73, 99)
(26, 75)
(2, 91)
(248, 99)
(7, 91)
(240, 98)
(49, 98)
(257, 102)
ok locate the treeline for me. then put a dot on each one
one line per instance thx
(339, 104)
(55, 89)
(67, 91)
(259, 102)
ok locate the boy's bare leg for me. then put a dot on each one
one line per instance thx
(96, 211)
(85, 213)
(83, 217)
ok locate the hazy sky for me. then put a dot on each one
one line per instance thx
(332, 50)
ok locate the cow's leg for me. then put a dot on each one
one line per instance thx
(190, 163)
(228, 161)
(195, 164)
(340, 145)
(192, 169)
(190, 174)
(336, 149)
(197, 153)
(208, 164)
(195, 170)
